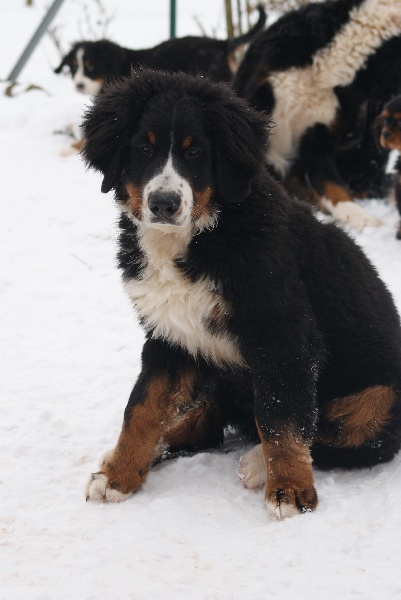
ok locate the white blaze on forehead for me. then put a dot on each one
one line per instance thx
(170, 181)
(305, 96)
(90, 86)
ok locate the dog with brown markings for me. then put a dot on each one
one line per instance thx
(388, 124)
(256, 314)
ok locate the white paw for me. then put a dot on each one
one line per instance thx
(351, 214)
(252, 468)
(97, 490)
(282, 510)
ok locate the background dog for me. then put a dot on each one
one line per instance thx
(253, 310)
(324, 72)
(91, 64)
(389, 125)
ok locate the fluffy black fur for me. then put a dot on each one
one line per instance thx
(308, 312)
(105, 60)
(344, 151)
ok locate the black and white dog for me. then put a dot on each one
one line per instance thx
(324, 72)
(91, 64)
(256, 314)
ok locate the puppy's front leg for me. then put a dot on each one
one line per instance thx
(283, 348)
(159, 399)
(285, 423)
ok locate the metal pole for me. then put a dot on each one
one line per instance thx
(173, 18)
(51, 13)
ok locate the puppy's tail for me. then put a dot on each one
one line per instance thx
(247, 37)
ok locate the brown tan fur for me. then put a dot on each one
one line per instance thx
(79, 144)
(336, 193)
(390, 138)
(152, 138)
(187, 142)
(360, 417)
(201, 204)
(135, 198)
(289, 470)
(197, 425)
(143, 431)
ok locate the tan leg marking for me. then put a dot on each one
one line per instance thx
(361, 416)
(126, 467)
(290, 487)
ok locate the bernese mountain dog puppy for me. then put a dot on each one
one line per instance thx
(256, 314)
(389, 125)
(91, 64)
(324, 72)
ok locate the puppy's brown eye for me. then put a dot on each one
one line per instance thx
(146, 149)
(192, 152)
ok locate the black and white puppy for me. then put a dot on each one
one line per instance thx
(91, 64)
(324, 72)
(256, 314)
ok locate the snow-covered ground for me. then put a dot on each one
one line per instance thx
(69, 354)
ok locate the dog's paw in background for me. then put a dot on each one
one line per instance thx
(252, 468)
(351, 214)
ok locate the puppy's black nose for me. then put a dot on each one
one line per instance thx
(80, 86)
(164, 205)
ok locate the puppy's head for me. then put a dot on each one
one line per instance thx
(174, 147)
(388, 125)
(92, 63)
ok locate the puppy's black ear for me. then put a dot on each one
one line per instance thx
(110, 123)
(66, 62)
(239, 135)
(60, 67)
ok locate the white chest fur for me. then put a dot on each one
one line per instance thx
(175, 308)
(306, 96)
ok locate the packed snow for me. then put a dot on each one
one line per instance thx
(70, 352)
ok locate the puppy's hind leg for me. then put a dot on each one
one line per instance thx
(360, 430)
